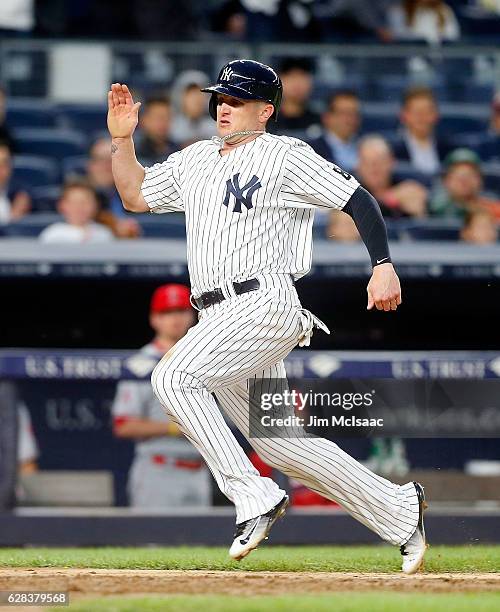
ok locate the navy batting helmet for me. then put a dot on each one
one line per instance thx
(247, 80)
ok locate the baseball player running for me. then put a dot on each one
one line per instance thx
(167, 471)
(249, 199)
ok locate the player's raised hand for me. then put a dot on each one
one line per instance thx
(384, 289)
(123, 114)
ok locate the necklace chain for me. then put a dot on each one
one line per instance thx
(220, 140)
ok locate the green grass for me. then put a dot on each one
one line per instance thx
(338, 602)
(473, 558)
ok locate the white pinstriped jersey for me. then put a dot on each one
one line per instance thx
(250, 211)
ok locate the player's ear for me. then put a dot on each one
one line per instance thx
(266, 112)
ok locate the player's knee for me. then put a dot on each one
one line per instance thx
(167, 379)
(162, 379)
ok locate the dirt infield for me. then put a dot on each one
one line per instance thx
(95, 582)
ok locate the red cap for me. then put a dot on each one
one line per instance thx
(170, 297)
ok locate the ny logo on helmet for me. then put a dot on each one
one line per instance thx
(233, 188)
(226, 74)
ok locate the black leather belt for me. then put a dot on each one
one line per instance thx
(214, 297)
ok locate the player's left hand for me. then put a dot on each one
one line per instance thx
(384, 289)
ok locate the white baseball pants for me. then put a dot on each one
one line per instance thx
(249, 336)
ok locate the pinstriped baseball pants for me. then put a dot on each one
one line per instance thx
(248, 336)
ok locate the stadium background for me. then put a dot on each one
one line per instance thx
(72, 315)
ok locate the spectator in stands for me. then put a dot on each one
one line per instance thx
(267, 21)
(495, 115)
(488, 7)
(461, 188)
(78, 205)
(479, 227)
(262, 23)
(14, 202)
(191, 121)
(341, 121)
(418, 143)
(100, 177)
(5, 134)
(229, 18)
(163, 20)
(154, 143)
(489, 148)
(375, 172)
(295, 116)
(429, 20)
(341, 227)
(99, 173)
(348, 18)
(17, 17)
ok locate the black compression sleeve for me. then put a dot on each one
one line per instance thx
(365, 211)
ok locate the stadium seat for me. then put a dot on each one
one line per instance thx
(74, 165)
(393, 229)
(480, 28)
(32, 171)
(45, 198)
(491, 177)
(379, 122)
(86, 118)
(489, 148)
(405, 171)
(453, 124)
(433, 233)
(473, 92)
(452, 68)
(30, 226)
(56, 143)
(430, 229)
(469, 140)
(164, 226)
(390, 66)
(391, 88)
(30, 113)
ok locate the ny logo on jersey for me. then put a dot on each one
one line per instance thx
(226, 74)
(233, 187)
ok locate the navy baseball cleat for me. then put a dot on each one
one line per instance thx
(413, 550)
(250, 534)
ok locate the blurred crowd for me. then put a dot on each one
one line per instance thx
(415, 171)
(432, 21)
